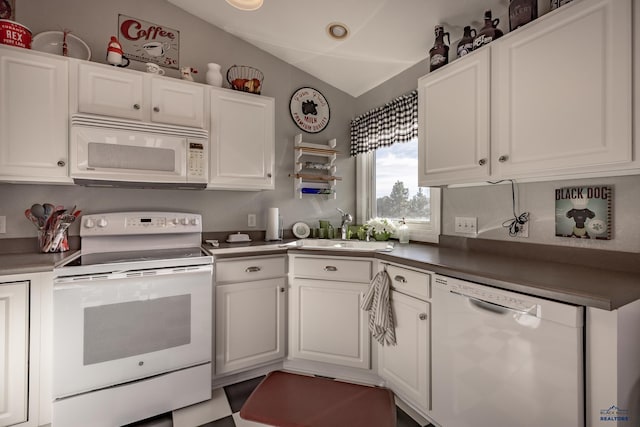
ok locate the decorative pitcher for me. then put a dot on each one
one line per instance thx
(214, 77)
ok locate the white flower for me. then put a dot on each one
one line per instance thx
(381, 225)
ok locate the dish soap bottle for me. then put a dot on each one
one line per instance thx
(403, 232)
(439, 53)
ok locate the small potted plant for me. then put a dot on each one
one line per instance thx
(380, 228)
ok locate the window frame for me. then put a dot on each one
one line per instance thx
(366, 199)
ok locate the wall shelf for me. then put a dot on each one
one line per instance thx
(314, 168)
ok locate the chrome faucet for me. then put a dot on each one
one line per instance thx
(346, 220)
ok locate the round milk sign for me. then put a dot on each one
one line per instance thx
(309, 110)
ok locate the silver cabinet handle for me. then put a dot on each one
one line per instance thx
(62, 163)
(400, 279)
(156, 109)
(482, 162)
(330, 268)
(422, 316)
(503, 158)
(252, 269)
(136, 106)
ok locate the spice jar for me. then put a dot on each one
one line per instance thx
(466, 42)
(488, 33)
(439, 53)
(522, 12)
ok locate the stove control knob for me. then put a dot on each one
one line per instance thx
(89, 223)
(102, 223)
(195, 221)
(175, 221)
(185, 221)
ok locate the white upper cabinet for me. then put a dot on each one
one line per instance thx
(34, 109)
(453, 122)
(550, 100)
(242, 141)
(562, 92)
(134, 95)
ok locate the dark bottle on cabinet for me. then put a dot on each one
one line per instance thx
(466, 42)
(522, 12)
(439, 53)
(487, 33)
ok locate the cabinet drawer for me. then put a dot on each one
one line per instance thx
(410, 281)
(348, 270)
(248, 269)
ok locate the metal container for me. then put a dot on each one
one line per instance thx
(14, 34)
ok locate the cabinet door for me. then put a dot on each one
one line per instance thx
(34, 110)
(562, 100)
(453, 122)
(250, 324)
(242, 141)
(111, 92)
(176, 102)
(327, 324)
(14, 319)
(405, 366)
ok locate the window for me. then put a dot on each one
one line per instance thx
(387, 186)
(385, 143)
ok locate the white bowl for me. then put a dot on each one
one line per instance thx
(51, 42)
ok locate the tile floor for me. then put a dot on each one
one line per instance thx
(223, 411)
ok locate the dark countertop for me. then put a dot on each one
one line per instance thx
(31, 262)
(597, 287)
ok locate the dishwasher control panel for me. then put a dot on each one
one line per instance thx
(486, 294)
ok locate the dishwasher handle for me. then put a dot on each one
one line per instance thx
(496, 308)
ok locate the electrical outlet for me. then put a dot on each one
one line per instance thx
(523, 230)
(3, 224)
(466, 225)
(251, 220)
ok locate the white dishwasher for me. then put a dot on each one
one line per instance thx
(504, 359)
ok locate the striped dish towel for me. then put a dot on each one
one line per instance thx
(378, 303)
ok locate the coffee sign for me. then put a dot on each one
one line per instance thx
(147, 42)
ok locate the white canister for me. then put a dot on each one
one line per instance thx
(213, 76)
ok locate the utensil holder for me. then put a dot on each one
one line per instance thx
(50, 241)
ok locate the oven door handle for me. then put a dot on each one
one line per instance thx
(130, 274)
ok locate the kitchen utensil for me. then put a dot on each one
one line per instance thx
(37, 210)
(32, 218)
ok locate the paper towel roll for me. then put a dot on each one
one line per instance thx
(272, 224)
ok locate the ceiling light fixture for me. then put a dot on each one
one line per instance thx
(337, 31)
(246, 4)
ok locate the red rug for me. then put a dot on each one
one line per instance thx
(290, 400)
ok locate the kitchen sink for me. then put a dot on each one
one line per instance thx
(345, 245)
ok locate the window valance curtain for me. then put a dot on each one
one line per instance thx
(396, 121)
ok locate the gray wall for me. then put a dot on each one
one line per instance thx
(200, 43)
(492, 204)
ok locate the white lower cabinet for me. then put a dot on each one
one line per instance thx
(14, 350)
(326, 323)
(406, 367)
(25, 341)
(250, 313)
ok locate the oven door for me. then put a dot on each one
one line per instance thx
(120, 327)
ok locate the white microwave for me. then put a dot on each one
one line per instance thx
(118, 153)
